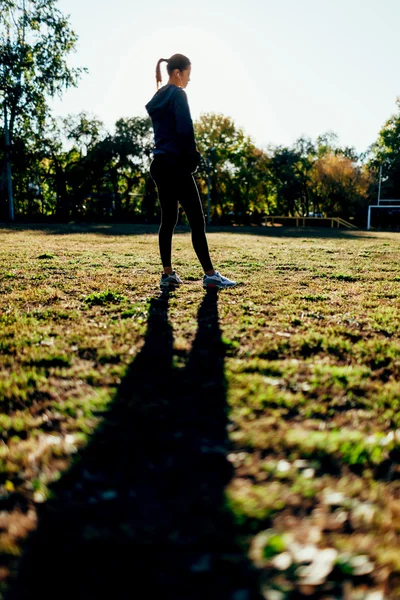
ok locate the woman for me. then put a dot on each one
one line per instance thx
(175, 159)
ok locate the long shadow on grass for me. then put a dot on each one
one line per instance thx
(142, 514)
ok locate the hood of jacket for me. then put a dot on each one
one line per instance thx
(159, 103)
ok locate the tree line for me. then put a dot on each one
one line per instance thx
(73, 168)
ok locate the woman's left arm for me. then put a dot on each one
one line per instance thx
(184, 128)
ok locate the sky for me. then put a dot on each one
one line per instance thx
(280, 69)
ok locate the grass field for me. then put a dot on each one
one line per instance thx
(246, 442)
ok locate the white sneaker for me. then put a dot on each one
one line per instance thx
(217, 280)
(172, 280)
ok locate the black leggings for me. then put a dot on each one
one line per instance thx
(176, 183)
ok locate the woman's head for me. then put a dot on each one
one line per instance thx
(178, 67)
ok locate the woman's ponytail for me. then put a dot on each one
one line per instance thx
(158, 72)
(177, 61)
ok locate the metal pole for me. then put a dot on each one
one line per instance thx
(208, 190)
(8, 165)
(380, 183)
(369, 218)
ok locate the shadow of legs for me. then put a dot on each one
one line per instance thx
(142, 514)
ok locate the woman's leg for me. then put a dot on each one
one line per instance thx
(167, 195)
(191, 204)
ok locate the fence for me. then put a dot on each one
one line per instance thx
(316, 221)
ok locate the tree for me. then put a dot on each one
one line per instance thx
(133, 145)
(220, 133)
(250, 184)
(385, 153)
(54, 166)
(286, 182)
(84, 131)
(236, 167)
(340, 185)
(103, 173)
(35, 41)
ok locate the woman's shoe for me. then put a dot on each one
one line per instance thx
(217, 280)
(172, 280)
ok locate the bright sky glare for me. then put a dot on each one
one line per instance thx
(280, 69)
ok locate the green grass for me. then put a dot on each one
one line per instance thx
(101, 298)
(312, 365)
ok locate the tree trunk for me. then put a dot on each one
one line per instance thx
(62, 211)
